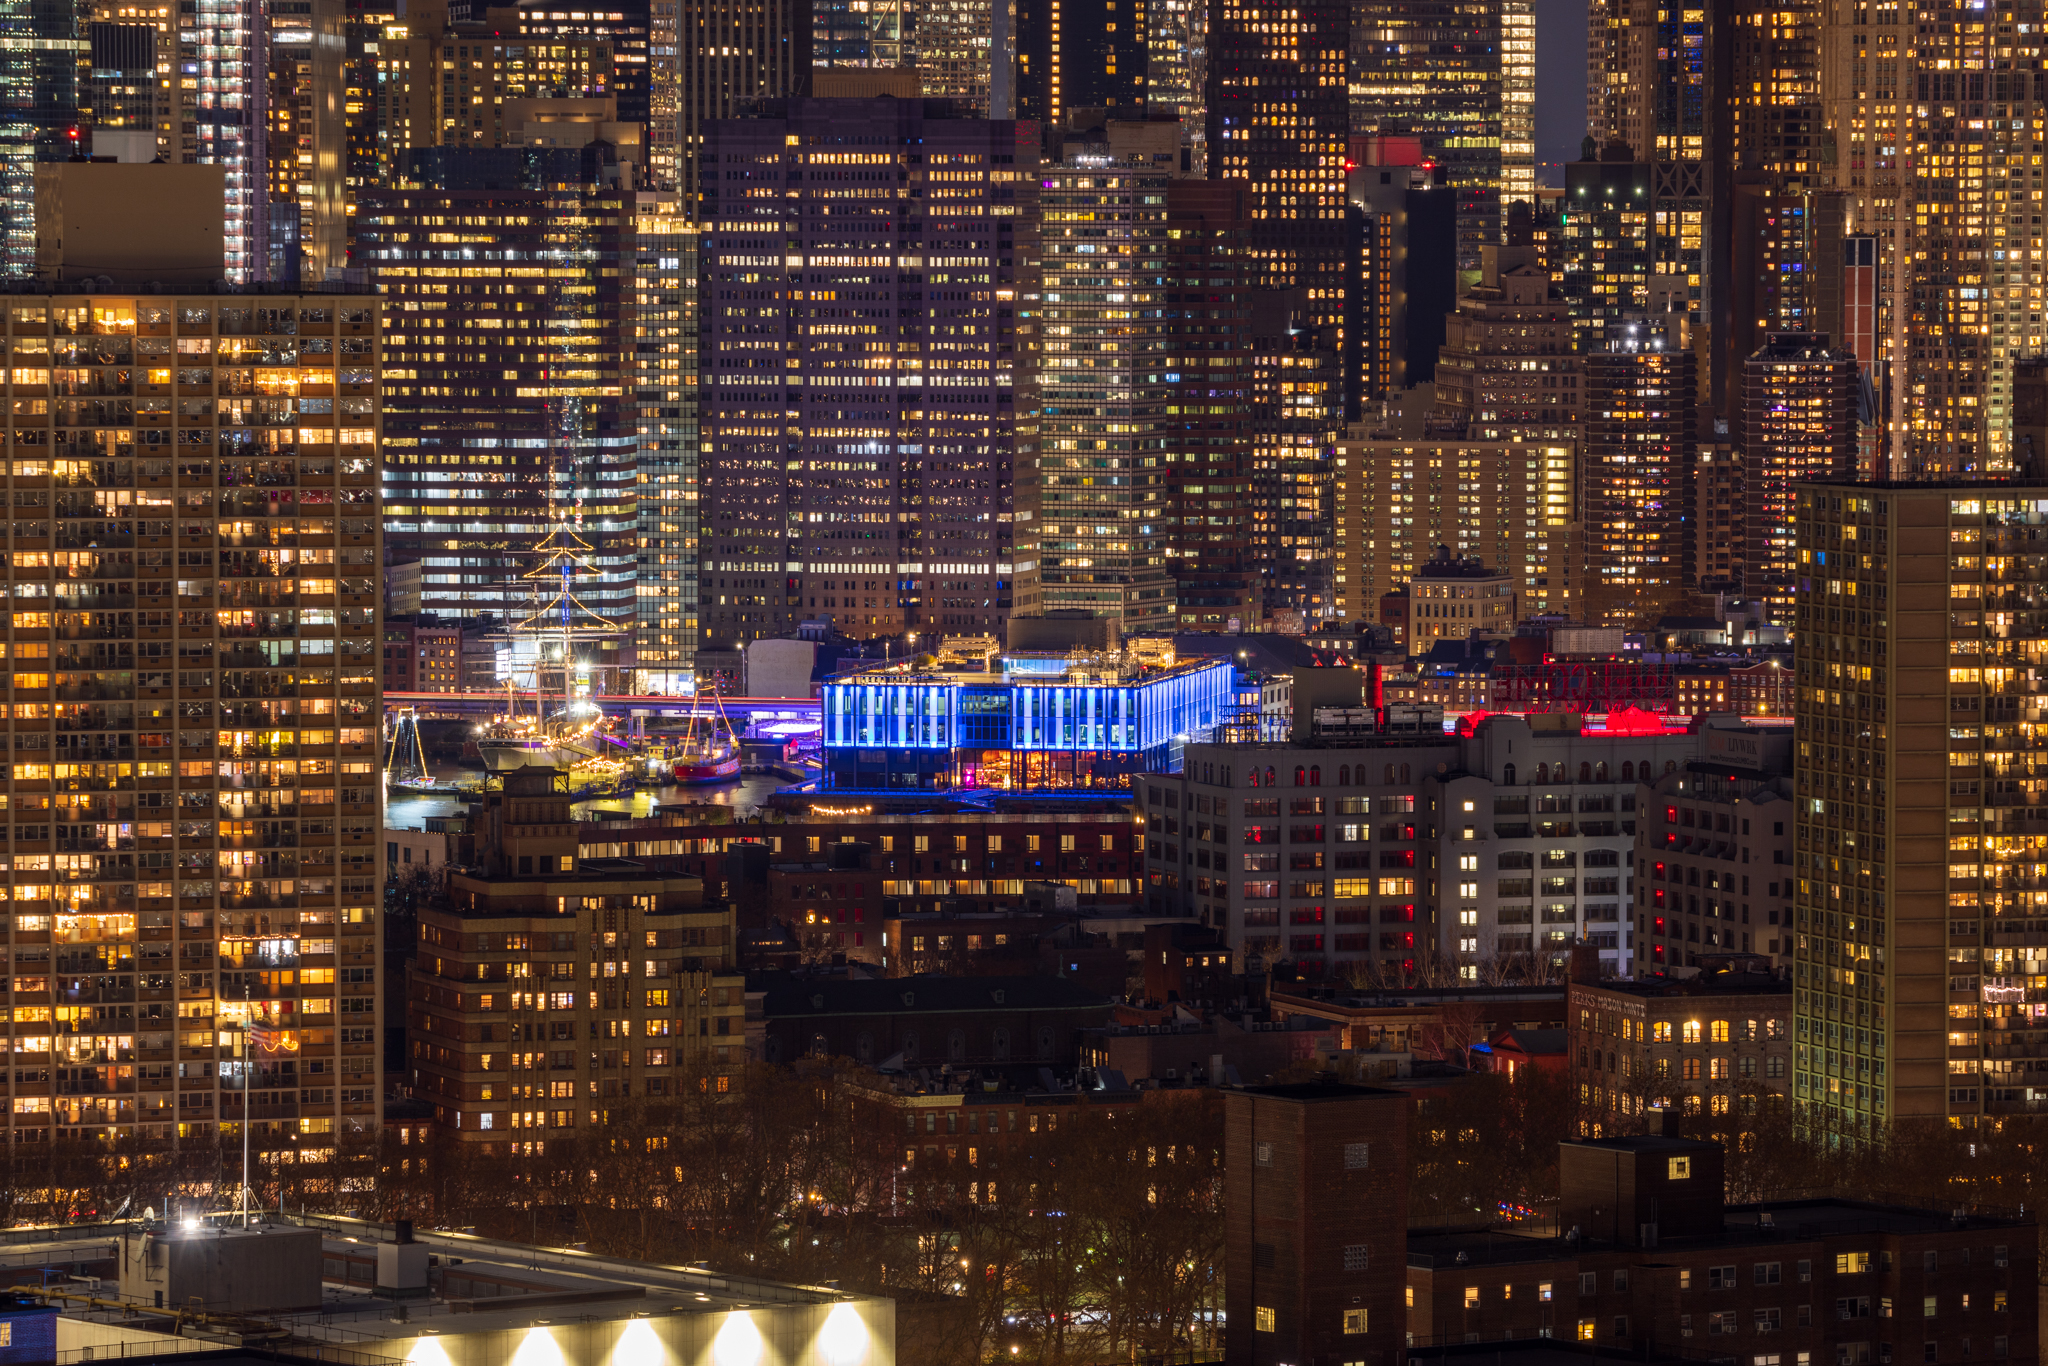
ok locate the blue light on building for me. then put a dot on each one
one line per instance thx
(1041, 726)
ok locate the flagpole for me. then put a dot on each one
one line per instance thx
(248, 1066)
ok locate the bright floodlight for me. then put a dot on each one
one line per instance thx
(738, 1343)
(844, 1339)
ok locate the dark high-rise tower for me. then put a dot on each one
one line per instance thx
(1080, 54)
(1209, 447)
(1279, 119)
(121, 92)
(860, 394)
(1404, 280)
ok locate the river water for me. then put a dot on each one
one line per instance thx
(409, 811)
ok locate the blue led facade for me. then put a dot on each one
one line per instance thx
(881, 729)
(906, 713)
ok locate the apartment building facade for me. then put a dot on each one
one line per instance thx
(1709, 1043)
(1661, 1267)
(552, 989)
(195, 537)
(1508, 840)
(1713, 856)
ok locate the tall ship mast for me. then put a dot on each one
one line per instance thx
(567, 731)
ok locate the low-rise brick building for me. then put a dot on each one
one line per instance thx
(1653, 1264)
(961, 1021)
(987, 1122)
(1315, 1223)
(1442, 1021)
(1709, 1043)
(422, 654)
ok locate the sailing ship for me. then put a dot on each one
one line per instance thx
(569, 734)
(405, 760)
(711, 757)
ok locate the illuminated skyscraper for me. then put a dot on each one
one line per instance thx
(222, 42)
(1177, 73)
(442, 87)
(305, 146)
(1651, 69)
(1099, 500)
(1915, 849)
(363, 156)
(1935, 132)
(621, 26)
(1278, 118)
(665, 365)
(865, 368)
(516, 410)
(194, 801)
(1641, 428)
(726, 54)
(1461, 78)
(1798, 422)
(256, 89)
(1723, 101)
(1507, 371)
(1402, 490)
(863, 33)
(42, 44)
(1784, 224)
(1633, 238)
(1297, 397)
(966, 52)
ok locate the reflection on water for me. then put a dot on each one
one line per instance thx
(409, 811)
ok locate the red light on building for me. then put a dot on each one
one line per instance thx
(1634, 721)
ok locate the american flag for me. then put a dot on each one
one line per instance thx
(270, 1039)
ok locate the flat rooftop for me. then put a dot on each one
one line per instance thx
(1706, 984)
(1775, 1222)
(475, 1285)
(1313, 1091)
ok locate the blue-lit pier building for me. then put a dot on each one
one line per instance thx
(1044, 723)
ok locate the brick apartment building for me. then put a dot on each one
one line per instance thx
(1713, 854)
(550, 986)
(1660, 1267)
(923, 857)
(422, 654)
(1708, 1043)
(833, 881)
(1315, 1223)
